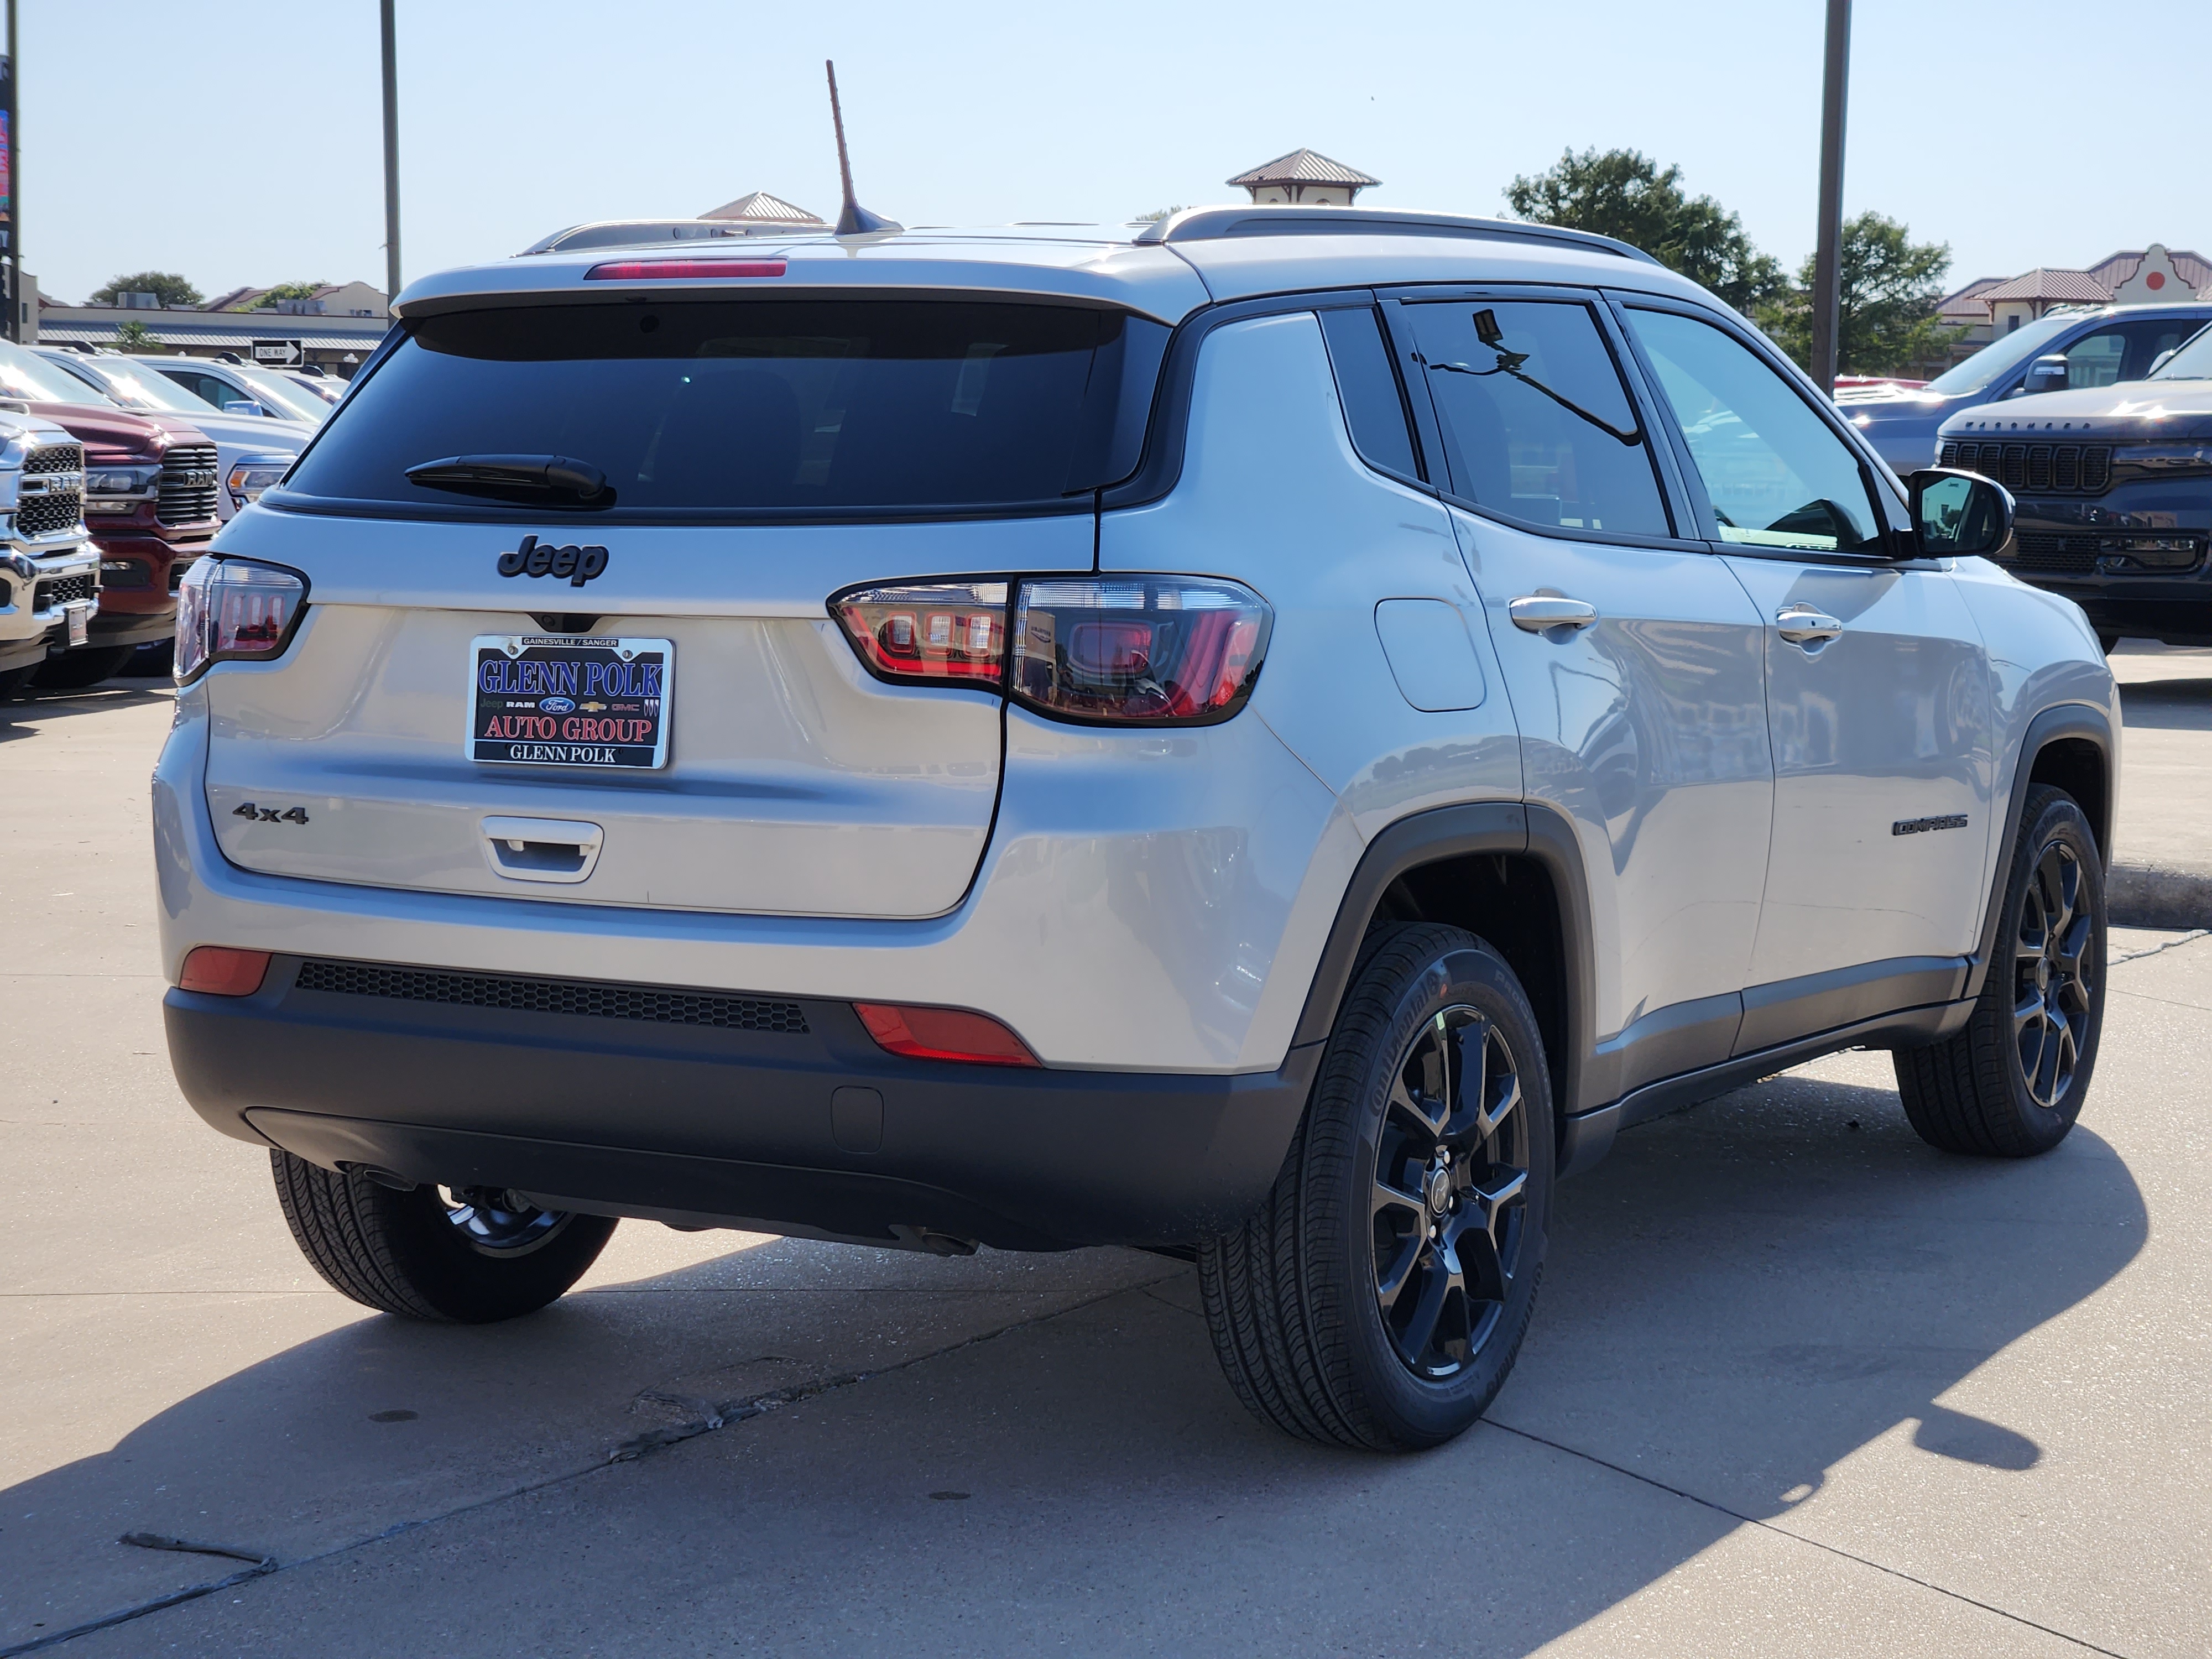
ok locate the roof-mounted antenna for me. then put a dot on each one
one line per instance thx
(852, 219)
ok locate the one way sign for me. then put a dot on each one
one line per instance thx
(282, 353)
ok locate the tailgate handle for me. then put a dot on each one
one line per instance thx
(542, 849)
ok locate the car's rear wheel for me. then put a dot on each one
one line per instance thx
(1379, 1297)
(467, 1255)
(75, 670)
(2010, 1083)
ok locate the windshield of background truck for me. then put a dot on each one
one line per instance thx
(2001, 356)
(712, 406)
(2192, 362)
(25, 374)
(144, 391)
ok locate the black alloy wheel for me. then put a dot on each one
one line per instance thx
(2052, 989)
(1450, 1197)
(495, 1221)
(2010, 1082)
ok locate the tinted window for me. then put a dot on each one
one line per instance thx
(2096, 360)
(1778, 474)
(1368, 385)
(1536, 424)
(719, 406)
(2145, 340)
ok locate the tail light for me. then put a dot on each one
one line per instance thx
(929, 633)
(1103, 650)
(1137, 650)
(234, 610)
(942, 1034)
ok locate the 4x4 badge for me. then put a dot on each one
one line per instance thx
(269, 814)
(535, 558)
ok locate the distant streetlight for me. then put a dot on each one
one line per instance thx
(391, 155)
(1828, 249)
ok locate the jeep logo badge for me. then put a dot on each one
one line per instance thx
(535, 558)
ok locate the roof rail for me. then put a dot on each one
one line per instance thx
(1211, 224)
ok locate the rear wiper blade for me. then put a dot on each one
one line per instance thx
(517, 478)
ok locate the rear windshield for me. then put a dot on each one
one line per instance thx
(697, 409)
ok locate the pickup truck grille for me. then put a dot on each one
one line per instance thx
(60, 590)
(55, 458)
(2041, 469)
(189, 482)
(51, 497)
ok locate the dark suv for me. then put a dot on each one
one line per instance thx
(2114, 492)
(2097, 347)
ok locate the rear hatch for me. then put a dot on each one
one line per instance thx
(634, 693)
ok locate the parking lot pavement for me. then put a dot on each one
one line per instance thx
(1796, 1385)
(2162, 875)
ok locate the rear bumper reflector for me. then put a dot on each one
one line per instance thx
(216, 970)
(942, 1034)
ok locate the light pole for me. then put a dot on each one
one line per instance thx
(391, 157)
(1827, 255)
(14, 228)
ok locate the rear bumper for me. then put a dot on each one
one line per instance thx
(814, 1132)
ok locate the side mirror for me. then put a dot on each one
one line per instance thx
(2161, 360)
(239, 406)
(1959, 515)
(2047, 373)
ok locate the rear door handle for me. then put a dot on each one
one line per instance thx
(1801, 624)
(1537, 613)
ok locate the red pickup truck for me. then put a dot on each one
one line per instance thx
(150, 491)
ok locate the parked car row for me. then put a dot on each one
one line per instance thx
(153, 467)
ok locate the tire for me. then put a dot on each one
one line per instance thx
(13, 683)
(73, 670)
(2010, 1083)
(1318, 1304)
(419, 1255)
(156, 661)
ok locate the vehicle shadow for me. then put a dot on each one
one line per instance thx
(1741, 1297)
(29, 711)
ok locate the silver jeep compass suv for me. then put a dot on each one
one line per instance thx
(1269, 736)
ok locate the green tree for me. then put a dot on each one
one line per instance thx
(1625, 194)
(286, 291)
(165, 285)
(1889, 287)
(136, 336)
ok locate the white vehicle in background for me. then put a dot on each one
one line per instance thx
(238, 438)
(329, 388)
(240, 388)
(49, 567)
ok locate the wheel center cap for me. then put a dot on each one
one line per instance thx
(1439, 1192)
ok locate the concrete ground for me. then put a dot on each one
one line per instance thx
(2162, 848)
(1796, 1385)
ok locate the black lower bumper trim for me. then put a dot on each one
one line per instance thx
(812, 1131)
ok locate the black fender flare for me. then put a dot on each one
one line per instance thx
(1516, 828)
(2057, 723)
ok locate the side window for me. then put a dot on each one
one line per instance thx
(2147, 340)
(2096, 360)
(1535, 421)
(1777, 474)
(1374, 408)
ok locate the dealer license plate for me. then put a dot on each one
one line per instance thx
(554, 700)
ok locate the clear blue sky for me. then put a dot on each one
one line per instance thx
(240, 144)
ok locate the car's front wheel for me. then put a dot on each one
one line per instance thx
(2010, 1083)
(1379, 1297)
(467, 1255)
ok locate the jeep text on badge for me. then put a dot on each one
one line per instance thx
(577, 565)
(556, 700)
